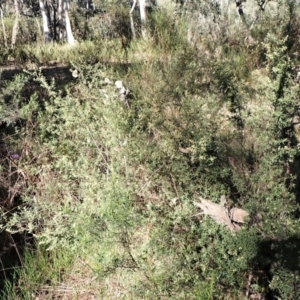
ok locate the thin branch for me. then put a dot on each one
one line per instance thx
(133, 6)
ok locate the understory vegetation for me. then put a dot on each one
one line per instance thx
(98, 182)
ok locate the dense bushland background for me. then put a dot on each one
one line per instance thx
(97, 188)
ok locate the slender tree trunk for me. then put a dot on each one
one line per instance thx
(131, 20)
(16, 24)
(61, 21)
(45, 20)
(55, 23)
(87, 8)
(3, 28)
(143, 17)
(70, 36)
(50, 15)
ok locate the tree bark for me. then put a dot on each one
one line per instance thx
(70, 36)
(46, 30)
(3, 28)
(61, 21)
(143, 17)
(131, 20)
(16, 24)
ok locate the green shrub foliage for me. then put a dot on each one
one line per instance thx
(112, 176)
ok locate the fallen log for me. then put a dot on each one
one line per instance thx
(232, 218)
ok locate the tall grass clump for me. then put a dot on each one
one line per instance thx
(41, 273)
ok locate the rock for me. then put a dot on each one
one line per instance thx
(123, 92)
(75, 73)
(107, 81)
(119, 84)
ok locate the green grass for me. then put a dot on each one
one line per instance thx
(41, 272)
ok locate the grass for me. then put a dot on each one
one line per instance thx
(41, 273)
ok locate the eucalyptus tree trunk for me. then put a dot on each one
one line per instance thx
(131, 20)
(70, 36)
(3, 28)
(65, 30)
(53, 12)
(45, 20)
(143, 17)
(61, 21)
(16, 24)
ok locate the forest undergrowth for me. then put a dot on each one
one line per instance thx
(100, 174)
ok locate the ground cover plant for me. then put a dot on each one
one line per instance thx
(100, 170)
